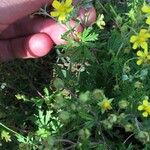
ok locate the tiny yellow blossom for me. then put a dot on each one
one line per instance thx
(100, 21)
(146, 9)
(145, 107)
(62, 9)
(143, 57)
(106, 105)
(140, 40)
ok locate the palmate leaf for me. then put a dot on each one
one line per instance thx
(81, 49)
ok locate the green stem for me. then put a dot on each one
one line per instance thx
(4, 126)
(130, 60)
(113, 10)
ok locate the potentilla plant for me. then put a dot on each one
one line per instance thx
(96, 94)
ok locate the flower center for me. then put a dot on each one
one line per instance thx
(147, 109)
(141, 39)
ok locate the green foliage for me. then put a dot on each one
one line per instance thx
(56, 102)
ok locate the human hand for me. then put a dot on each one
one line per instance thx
(25, 37)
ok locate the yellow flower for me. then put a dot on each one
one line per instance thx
(140, 40)
(146, 9)
(145, 107)
(106, 105)
(62, 9)
(143, 57)
(100, 21)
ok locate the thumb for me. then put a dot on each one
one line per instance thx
(12, 10)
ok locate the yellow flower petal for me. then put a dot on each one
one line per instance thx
(68, 3)
(146, 9)
(54, 13)
(139, 62)
(148, 57)
(147, 109)
(56, 4)
(147, 35)
(145, 52)
(68, 10)
(142, 32)
(140, 107)
(148, 21)
(103, 23)
(140, 53)
(145, 114)
(133, 39)
(101, 16)
(146, 98)
(145, 102)
(62, 17)
(135, 45)
(144, 45)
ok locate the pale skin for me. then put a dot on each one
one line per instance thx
(25, 37)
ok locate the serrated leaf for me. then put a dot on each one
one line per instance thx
(89, 35)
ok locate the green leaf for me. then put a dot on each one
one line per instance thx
(88, 35)
(86, 116)
(115, 42)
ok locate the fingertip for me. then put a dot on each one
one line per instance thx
(34, 46)
(38, 45)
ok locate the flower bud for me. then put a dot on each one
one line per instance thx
(112, 118)
(107, 124)
(129, 127)
(123, 104)
(73, 107)
(84, 97)
(64, 116)
(138, 85)
(84, 133)
(58, 84)
(98, 94)
(143, 136)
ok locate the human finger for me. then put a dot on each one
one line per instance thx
(33, 46)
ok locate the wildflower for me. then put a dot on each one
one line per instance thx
(143, 137)
(129, 127)
(100, 21)
(62, 9)
(140, 40)
(145, 107)
(146, 9)
(123, 104)
(105, 104)
(143, 57)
